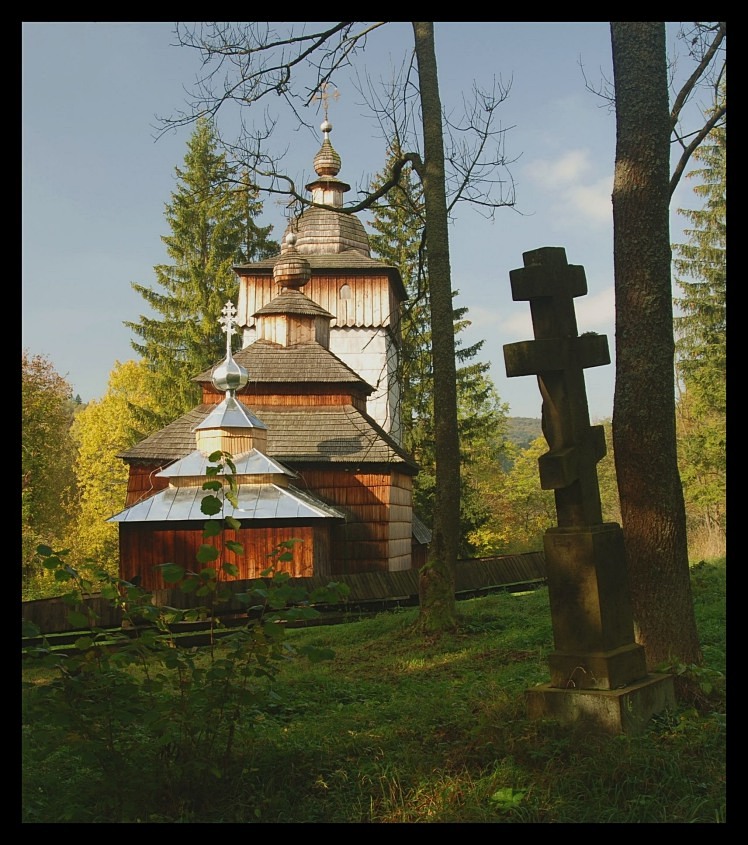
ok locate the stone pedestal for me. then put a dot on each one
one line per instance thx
(593, 631)
(598, 672)
(626, 710)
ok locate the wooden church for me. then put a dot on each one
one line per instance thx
(308, 408)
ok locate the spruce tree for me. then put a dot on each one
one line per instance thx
(398, 223)
(701, 347)
(212, 220)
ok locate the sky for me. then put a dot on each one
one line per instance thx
(96, 179)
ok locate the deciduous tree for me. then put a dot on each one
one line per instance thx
(103, 429)
(644, 431)
(48, 491)
(520, 511)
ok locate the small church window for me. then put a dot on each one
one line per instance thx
(345, 292)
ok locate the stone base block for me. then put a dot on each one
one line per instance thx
(626, 710)
(607, 670)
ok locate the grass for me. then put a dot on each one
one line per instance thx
(401, 729)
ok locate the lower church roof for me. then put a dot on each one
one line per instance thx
(296, 434)
(255, 502)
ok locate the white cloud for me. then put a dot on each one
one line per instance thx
(594, 313)
(496, 322)
(575, 195)
(597, 311)
(552, 175)
(593, 201)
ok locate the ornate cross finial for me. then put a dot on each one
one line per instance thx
(324, 96)
(228, 321)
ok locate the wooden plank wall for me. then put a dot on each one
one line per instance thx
(371, 302)
(400, 546)
(371, 540)
(143, 546)
(142, 482)
(254, 292)
(288, 330)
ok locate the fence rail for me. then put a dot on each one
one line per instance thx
(472, 578)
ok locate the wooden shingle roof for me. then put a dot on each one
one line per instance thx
(172, 442)
(307, 363)
(293, 302)
(325, 435)
(334, 433)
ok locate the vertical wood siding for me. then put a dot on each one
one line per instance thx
(143, 547)
(142, 482)
(372, 302)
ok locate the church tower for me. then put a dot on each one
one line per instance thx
(363, 295)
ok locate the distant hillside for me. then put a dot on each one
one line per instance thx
(523, 430)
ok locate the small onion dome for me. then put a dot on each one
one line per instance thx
(327, 161)
(229, 376)
(291, 270)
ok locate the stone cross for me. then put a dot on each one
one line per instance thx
(598, 671)
(558, 357)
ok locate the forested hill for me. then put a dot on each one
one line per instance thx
(523, 430)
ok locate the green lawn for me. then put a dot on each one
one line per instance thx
(393, 728)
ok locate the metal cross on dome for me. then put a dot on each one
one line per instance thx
(325, 97)
(228, 320)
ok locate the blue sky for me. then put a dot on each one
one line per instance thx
(95, 181)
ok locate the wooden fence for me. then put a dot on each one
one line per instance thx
(472, 578)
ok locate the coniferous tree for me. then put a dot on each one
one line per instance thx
(212, 220)
(701, 347)
(398, 224)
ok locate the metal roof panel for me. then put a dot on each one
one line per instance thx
(256, 501)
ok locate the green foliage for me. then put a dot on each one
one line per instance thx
(702, 347)
(48, 485)
(521, 511)
(398, 223)
(523, 430)
(212, 221)
(102, 430)
(606, 479)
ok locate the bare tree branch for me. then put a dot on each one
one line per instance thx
(701, 68)
(704, 43)
(695, 142)
(250, 61)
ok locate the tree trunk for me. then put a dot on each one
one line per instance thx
(652, 507)
(437, 577)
